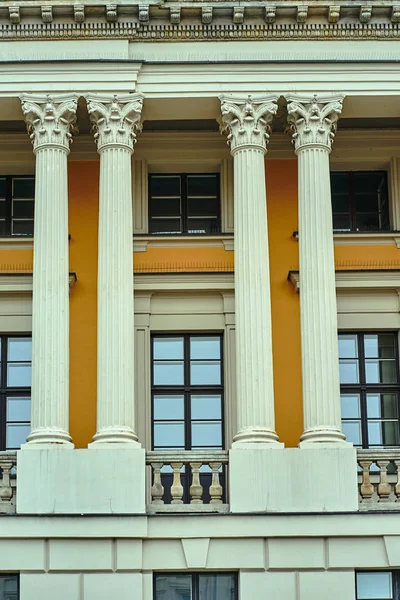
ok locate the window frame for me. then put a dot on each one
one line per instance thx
(352, 201)
(184, 203)
(195, 580)
(362, 388)
(9, 206)
(17, 578)
(187, 390)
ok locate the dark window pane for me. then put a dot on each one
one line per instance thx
(367, 202)
(23, 187)
(22, 227)
(203, 226)
(165, 185)
(370, 181)
(340, 203)
(2, 187)
(199, 207)
(8, 587)
(165, 207)
(165, 226)
(341, 222)
(369, 222)
(2, 208)
(382, 406)
(174, 587)
(380, 371)
(202, 185)
(2, 227)
(23, 209)
(339, 182)
(217, 587)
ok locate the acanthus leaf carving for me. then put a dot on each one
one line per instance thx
(247, 121)
(116, 120)
(313, 120)
(50, 120)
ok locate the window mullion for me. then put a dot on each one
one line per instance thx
(184, 206)
(9, 186)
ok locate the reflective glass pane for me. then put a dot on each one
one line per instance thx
(165, 207)
(23, 227)
(169, 407)
(18, 409)
(23, 209)
(380, 345)
(205, 372)
(168, 348)
(341, 203)
(173, 587)
(19, 375)
(168, 372)
(348, 346)
(202, 185)
(380, 371)
(368, 222)
(205, 434)
(169, 435)
(20, 349)
(375, 586)
(166, 226)
(23, 187)
(382, 406)
(348, 370)
(16, 435)
(383, 433)
(341, 222)
(350, 406)
(165, 185)
(339, 182)
(352, 431)
(205, 347)
(203, 207)
(217, 587)
(8, 587)
(206, 407)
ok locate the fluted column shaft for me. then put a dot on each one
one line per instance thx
(116, 121)
(314, 123)
(49, 121)
(247, 123)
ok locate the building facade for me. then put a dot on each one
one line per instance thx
(199, 301)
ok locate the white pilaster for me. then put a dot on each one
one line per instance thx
(116, 121)
(313, 121)
(50, 120)
(247, 122)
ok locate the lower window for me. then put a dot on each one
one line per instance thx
(378, 585)
(195, 586)
(9, 587)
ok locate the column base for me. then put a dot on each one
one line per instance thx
(256, 437)
(122, 436)
(329, 436)
(48, 438)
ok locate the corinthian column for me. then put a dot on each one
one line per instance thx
(313, 121)
(50, 120)
(247, 122)
(116, 121)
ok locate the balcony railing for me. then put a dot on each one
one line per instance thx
(379, 479)
(8, 482)
(201, 474)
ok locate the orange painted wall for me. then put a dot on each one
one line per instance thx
(83, 218)
(281, 176)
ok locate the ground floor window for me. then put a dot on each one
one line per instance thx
(378, 585)
(195, 586)
(9, 587)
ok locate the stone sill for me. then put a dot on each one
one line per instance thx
(142, 242)
(16, 243)
(376, 238)
(188, 508)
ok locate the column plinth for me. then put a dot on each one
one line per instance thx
(116, 121)
(247, 123)
(313, 122)
(50, 120)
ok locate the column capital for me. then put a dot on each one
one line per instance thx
(50, 119)
(116, 119)
(312, 120)
(247, 121)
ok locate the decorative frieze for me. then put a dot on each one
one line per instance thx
(47, 14)
(365, 13)
(175, 15)
(270, 14)
(238, 15)
(144, 14)
(302, 13)
(206, 15)
(14, 14)
(334, 13)
(111, 13)
(79, 13)
(395, 14)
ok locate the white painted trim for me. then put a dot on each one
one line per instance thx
(16, 243)
(140, 244)
(360, 280)
(23, 282)
(183, 281)
(367, 239)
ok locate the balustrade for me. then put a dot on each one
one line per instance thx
(379, 479)
(187, 471)
(8, 482)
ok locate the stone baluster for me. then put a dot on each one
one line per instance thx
(313, 122)
(50, 120)
(176, 487)
(384, 487)
(6, 492)
(397, 486)
(196, 489)
(215, 487)
(157, 489)
(116, 122)
(366, 489)
(247, 122)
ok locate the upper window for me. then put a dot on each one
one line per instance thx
(17, 198)
(9, 588)
(370, 387)
(184, 204)
(15, 390)
(195, 586)
(360, 201)
(377, 585)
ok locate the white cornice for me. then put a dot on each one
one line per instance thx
(23, 282)
(360, 280)
(140, 244)
(183, 281)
